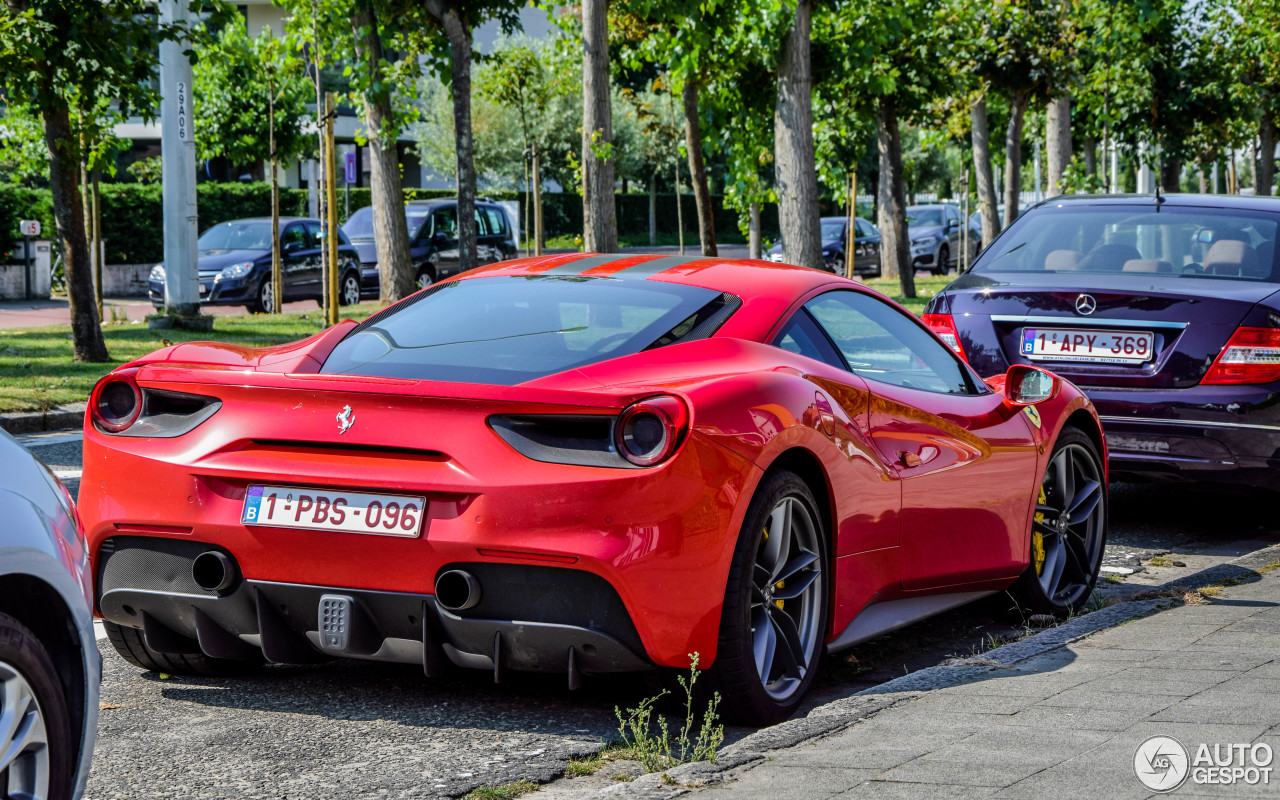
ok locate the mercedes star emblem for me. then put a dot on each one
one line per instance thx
(346, 419)
(1086, 305)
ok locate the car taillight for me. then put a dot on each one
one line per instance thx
(945, 327)
(1251, 356)
(649, 431)
(116, 402)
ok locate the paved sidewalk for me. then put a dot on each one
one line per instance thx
(1063, 724)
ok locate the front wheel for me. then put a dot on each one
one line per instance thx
(37, 751)
(940, 266)
(426, 276)
(1068, 530)
(775, 608)
(265, 301)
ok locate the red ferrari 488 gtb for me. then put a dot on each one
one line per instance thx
(584, 464)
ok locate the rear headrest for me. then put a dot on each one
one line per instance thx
(1233, 257)
(1110, 257)
(1063, 259)
(1147, 265)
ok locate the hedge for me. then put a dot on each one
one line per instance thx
(132, 220)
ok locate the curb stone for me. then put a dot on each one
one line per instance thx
(57, 418)
(835, 716)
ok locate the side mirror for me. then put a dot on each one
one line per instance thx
(1025, 385)
(291, 247)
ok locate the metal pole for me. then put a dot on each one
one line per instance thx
(26, 251)
(851, 233)
(277, 278)
(964, 221)
(178, 169)
(331, 222)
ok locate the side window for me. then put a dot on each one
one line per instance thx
(294, 237)
(952, 216)
(497, 221)
(317, 234)
(882, 344)
(802, 336)
(482, 223)
(445, 220)
(864, 228)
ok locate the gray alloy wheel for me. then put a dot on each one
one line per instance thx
(25, 755)
(787, 597)
(350, 292)
(1069, 522)
(425, 277)
(266, 297)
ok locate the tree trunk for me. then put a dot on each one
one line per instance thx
(895, 251)
(599, 215)
(1090, 156)
(1058, 142)
(276, 266)
(795, 170)
(390, 228)
(653, 210)
(698, 169)
(679, 208)
(457, 29)
(987, 203)
(1266, 151)
(539, 239)
(68, 213)
(1203, 183)
(1171, 175)
(95, 243)
(1013, 155)
(754, 249)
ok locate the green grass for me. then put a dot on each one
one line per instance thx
(37, 371)
(926, 287)
(573, 242)
(505, 792)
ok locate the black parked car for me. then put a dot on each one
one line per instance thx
(866, 242)
(235, 265)
(433, 239)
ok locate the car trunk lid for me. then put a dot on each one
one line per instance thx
(1188, 321)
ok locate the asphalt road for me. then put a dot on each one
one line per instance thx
(356, 730)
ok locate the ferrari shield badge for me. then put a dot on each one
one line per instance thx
(1032, 415)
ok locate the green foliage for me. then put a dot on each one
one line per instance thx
(658, 752)
(146, 170)
(24, 157)
(234, 81)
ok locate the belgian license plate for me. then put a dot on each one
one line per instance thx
(328, 510)
(1079, 344)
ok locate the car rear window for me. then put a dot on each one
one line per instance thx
(511, 329)
(1143, 241)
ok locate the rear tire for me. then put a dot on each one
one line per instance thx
(45, 764)
(1069, 531)
(132, 647)
(349, 289)
(775, 608)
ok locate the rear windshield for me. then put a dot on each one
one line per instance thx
(1139, 240)
(508, 330)
(360, 224)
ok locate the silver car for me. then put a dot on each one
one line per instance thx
(50, 666)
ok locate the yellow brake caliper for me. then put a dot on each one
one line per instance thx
(780, 584)
(1037, 538)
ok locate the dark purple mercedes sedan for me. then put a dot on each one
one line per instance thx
(1164, 309)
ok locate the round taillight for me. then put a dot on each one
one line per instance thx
(116, 403)
(650, 431)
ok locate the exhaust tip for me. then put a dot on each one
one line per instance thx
(214, 571)
(457, 590)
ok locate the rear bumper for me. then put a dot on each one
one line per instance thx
(1148, 448)
(529, 618)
